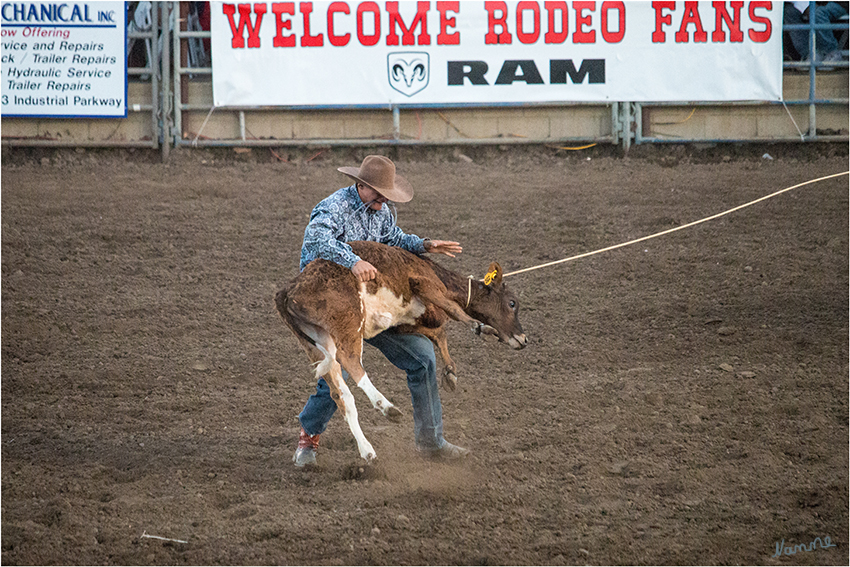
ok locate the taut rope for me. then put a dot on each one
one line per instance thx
(684, 226)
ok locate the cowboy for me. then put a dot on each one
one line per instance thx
(362, 212)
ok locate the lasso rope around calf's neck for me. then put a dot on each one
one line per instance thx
(668, 231)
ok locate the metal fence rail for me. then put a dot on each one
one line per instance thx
(397, 139)
(173, 65)
(812, 66)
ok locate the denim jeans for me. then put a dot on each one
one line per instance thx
(824, 39)
(415, 355)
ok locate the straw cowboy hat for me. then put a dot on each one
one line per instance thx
(379, 173)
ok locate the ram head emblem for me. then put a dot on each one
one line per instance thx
(408, 72)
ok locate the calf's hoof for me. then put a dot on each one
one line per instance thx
(393, 414)
(481, 329)
(450, 381)
(367, 453)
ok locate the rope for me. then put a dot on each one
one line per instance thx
(449, 122)
(674, 123)
(573, 149)
(668, 231)
(204, 125)
(794, 122)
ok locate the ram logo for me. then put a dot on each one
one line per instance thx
(408, 71)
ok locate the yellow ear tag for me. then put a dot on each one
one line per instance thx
(488, 279)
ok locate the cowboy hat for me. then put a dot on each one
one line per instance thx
(379, 173)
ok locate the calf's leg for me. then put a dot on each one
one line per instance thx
(345, 401)
(330, 369)
(431, 293)
(438, 337)
(351, 364)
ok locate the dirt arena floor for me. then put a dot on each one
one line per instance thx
(682, 401)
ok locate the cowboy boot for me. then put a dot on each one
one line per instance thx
(305, 454)
(447, 452)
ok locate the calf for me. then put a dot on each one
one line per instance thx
(331, 312)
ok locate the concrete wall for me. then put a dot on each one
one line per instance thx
(447, 126)
(428, 125)
(762, 122)
(137, 129)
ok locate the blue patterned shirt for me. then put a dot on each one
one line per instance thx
(341, 218)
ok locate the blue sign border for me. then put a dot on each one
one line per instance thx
(71, 26)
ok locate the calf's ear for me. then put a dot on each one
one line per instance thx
(494, 274)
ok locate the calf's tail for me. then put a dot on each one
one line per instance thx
(284, 307)
(295, 322)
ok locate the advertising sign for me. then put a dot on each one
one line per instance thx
(365, 53)
(64, 59)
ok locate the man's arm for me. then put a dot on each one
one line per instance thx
(320, 240)
(417, 245)
(409, 242)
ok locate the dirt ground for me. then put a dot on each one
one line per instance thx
(682, 401)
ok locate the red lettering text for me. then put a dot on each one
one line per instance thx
(278, 9)
(581, 36)
(658, 36)
(445, 38)
(764, 35)
(691, 17)
(307, 40)
(552, 8)
(334, 8)
(369, 7)
(607, 34)
(238, 40)
(522, 35)
(421, 18)
(732, 22)
(492, 21)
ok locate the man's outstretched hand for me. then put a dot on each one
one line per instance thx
(447, 247)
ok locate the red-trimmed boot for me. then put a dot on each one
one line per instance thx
(305, 454)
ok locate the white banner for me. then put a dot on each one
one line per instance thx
(442, 52)
(64, 59)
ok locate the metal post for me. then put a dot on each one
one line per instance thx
(174, 25)
(615, 123)
(396, 122)
(242, 125)
(813, 132)
(155, 76)
(638, 122)
(165, 95)
(627, 126)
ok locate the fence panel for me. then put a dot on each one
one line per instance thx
(170, 105)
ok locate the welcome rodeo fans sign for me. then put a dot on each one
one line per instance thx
(64, 59)
(445, 52)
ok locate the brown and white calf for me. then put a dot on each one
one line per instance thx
(331, 312)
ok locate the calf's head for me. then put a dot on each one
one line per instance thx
(492, 303)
